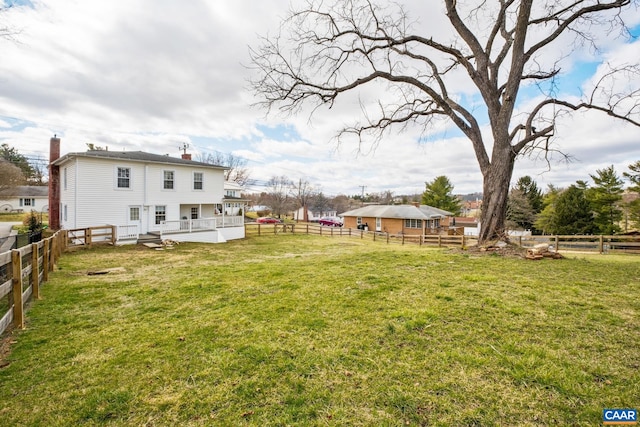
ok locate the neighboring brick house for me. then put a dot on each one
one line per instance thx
(398, 219)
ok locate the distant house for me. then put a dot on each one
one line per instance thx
(24, 198)
(471, 208)
(313, 215)
(234, 204)
(142, 193)
(398, 219)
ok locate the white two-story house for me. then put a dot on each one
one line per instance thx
(143, 193)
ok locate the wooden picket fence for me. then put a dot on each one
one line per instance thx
(22, 272)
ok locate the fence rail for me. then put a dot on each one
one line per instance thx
(600, 244)
(22, 272)
(91, 235)
(254, 229)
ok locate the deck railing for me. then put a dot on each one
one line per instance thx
(187, 225)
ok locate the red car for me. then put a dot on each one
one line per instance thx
(268, 220)
(330, 222)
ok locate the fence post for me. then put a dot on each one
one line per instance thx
(462, 245)
(601, 244)
(439, 241)
(54, 250)
(520, 241)
(18, 308)
(35, 270)
(387, 237)
(113, 235)
(403, 239)
(45, 259)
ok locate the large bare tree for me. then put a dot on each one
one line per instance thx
(323, 52)
(278, 194)
(303, 193)
(237, 172)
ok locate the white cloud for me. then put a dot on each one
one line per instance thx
(153, 74)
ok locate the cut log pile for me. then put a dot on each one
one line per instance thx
(540, 251)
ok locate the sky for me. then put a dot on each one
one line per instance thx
(154, 75)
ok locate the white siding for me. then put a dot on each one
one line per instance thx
(40, 203)
(94, 199)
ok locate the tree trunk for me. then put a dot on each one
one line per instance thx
(496, 181)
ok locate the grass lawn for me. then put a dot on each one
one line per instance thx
(318, 331)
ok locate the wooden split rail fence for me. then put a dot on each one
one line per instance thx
(439, 240)
(594, 243)
(22, 272)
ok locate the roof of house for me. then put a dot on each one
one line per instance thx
(136, 156)
(232, 185)
(398, 211)
(25, 191)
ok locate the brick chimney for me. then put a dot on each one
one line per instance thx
(186, 156)
(54, 184)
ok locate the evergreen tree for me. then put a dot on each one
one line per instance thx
(520, 214)
(634, 206)
(605, 198)
(530, 189)
(573, 213)
(439, 194)
(545, 220)
(12, 156)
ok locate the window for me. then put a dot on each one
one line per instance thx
(168, 180)
(124, 177)
(194, 213)
(161, 214)
(134, 213)
(65, 212)
(27, 202)
(64, 178)
(413, 223)
(359, 220)
(197, 180)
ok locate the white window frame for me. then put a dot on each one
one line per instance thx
(160, 213)
(128, 178)
(412, 223)
(201, 181)
(165, 180)
(133, 209)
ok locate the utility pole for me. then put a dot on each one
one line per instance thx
(362, 199)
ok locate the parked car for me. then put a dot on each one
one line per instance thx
(268, 220)
(330, 222)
